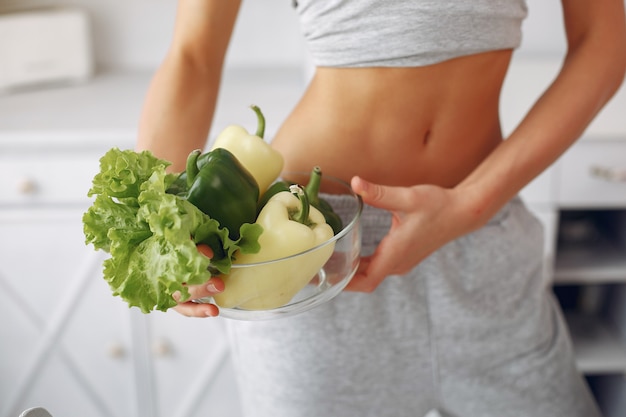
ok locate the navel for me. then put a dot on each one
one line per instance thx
(426, 138)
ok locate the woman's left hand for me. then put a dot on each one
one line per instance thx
(424, 218)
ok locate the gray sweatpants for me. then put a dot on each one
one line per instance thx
(473, 331)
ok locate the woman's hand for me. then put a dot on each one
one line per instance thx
(425, 217)
(211, 287)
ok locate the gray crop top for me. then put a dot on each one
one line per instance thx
(400, 33)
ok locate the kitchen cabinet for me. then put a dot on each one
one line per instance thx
(590, 282)
(67, 344)
(51, 344)
(590, 263)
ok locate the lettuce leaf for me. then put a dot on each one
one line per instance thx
(152, 235)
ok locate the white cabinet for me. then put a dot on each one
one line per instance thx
(593, 174)
(67, 344)
(590, 263)
(191, 373)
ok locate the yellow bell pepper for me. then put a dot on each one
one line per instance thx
(290, 226)
(257, 156)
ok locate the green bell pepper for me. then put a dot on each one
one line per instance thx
(219, 185)
(275, 188)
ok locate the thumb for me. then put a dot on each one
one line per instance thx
(380, 196)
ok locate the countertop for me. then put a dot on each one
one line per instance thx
(105, 110)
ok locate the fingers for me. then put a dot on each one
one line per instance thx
(360, 281)
(192, 308)
(205, 250)
(213, 286)
(381, 196)
(374, 269)
(393, 256)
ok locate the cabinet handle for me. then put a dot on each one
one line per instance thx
(116, 350)
(608, 174)
(162, 348)
(27, 186)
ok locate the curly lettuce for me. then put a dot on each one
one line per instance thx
(152, 234)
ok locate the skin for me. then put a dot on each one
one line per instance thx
(451, 169)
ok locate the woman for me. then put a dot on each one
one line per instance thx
(448, 310)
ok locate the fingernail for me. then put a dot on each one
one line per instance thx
(212, 312)
(361, 185)
(211, 287)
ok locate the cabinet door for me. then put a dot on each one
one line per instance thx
(65, 339)
(592, 174)
(192, 371)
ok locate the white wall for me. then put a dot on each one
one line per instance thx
(135, 34)
(544, 34)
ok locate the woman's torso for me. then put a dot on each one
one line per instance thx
(398, 126)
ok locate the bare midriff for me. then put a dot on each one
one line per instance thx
(398, 126)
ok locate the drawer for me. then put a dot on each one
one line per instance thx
(593, 174)
(41, 180)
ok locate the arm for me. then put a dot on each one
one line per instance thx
(180, 101)
(592, 72)
(426, 217)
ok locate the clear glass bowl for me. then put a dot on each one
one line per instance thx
(321, 283)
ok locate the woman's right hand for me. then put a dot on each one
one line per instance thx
(211, 287)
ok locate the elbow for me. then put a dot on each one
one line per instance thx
(621, 66)
(616, 65)
(613, 74)
(608, 66)
(604, 55)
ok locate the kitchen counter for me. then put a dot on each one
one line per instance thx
(107, 108)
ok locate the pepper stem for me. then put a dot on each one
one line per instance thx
(302, 215)
(192, 166)
(312, 189)
(260, 127)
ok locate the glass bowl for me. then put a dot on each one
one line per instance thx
(309, 278)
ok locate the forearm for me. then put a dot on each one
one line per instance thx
(178, 110)
(180, 101)
(591, 74)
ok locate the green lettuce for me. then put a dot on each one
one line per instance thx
(152, 235)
